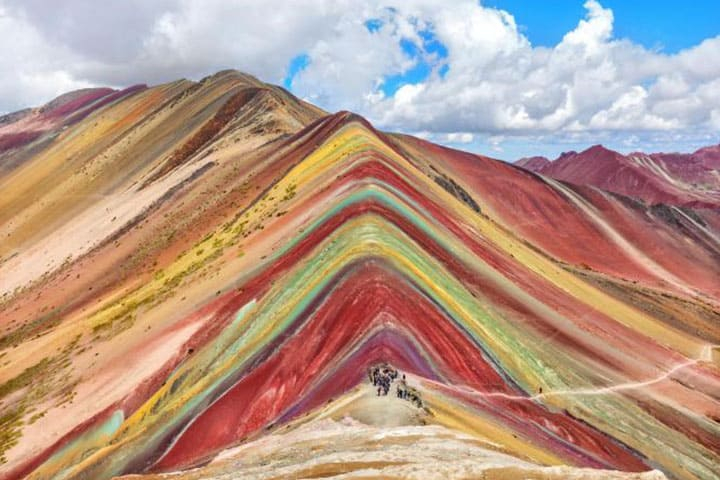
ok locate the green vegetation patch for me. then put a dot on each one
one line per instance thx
(50, 377)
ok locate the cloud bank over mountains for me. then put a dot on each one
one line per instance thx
(458, 72)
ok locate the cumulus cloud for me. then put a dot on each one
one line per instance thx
(589, 81)
(458, 72)
(120, 43)
(459, 137)
(24, 80)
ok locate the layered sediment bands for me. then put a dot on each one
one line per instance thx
(592, 228)
(248, 284)
(209, 130)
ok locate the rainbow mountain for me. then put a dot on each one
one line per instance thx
(196, 277)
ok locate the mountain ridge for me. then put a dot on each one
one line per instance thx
(678, 179)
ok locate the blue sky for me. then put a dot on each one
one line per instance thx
(667, 25)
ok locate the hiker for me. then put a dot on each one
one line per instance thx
(378, 391)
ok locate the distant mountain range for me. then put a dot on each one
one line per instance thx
(691, 179)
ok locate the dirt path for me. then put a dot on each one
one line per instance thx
(384, 411)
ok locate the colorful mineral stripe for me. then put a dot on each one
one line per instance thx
(192, 267)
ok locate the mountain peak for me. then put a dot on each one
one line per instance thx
(600, 150)
(234, 75)
(567, 154)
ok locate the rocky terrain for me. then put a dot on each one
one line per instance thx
(195, 278)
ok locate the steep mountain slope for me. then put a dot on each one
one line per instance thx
(709, 156)
(23, 133)
(674, 179)
(195, 265)
(699, 167)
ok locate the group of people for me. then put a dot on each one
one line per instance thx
(408, 393)
(382, 376)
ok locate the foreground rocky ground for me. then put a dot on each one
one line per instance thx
(362, 435)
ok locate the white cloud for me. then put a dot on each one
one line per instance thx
(715, 119)
(589, 82)
(459, 137)
(350, 62)
(630, 107)
(25, 76)
(592, 33)
(590, 85)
